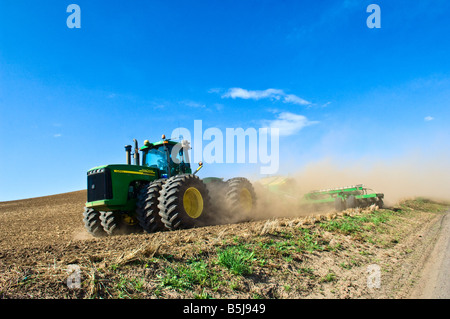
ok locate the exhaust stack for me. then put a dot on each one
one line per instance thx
(136, 152)
(128, 154)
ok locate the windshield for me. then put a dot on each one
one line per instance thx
(156, 157)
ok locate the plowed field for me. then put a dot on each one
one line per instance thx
(318, 256)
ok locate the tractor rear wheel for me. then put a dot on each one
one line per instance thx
(92, 222)
(147, 211)
(184, 202)
(240, 197)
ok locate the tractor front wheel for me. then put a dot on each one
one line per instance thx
(147, 211)
(118, 223)
(92, 222)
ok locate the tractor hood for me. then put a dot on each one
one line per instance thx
(108, 185)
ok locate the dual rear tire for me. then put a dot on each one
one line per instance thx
(184, 201)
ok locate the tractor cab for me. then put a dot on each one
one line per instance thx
(167, 156)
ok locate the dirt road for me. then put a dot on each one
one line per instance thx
(434, 282)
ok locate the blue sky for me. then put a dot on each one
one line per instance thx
(70, 99)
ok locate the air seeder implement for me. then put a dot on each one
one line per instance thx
(341, 197)
(160, 192)
(344, 197)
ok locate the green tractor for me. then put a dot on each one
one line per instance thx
(160, 192)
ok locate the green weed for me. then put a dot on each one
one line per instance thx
(127, 287)
(328, 277)
(349, 225)
(237, 259)
(185, 276)
(308, 241)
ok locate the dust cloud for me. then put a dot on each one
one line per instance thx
(401, 178)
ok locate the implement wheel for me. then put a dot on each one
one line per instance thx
(351, 202)
(339, 204)
(379, 202)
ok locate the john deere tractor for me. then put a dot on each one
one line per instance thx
(160, 192)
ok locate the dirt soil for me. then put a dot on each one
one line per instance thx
(371, 253)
